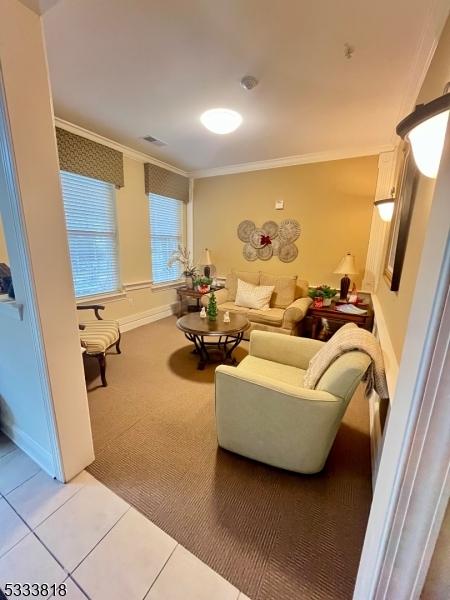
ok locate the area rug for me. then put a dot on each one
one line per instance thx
(273, 534)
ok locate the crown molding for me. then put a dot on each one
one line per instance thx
(426, 47)
(126, 151)
(289, 161)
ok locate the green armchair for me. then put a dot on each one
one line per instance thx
(264, 413)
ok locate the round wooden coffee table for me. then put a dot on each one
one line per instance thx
(228, 335)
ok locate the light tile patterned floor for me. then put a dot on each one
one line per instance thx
(83, 535)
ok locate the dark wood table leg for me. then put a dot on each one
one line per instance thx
(314, 323)
(180, 307)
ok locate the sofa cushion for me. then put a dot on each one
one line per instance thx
(253, 296)
(232, 278)
(301, 289)
(232, 307)
(278, 371)
(272, 316)
(284, 289)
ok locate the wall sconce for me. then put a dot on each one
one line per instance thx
(425, 128)
(386, 207)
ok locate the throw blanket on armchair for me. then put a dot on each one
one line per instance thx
(347, 338)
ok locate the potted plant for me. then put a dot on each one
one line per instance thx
(212, 310)
(322, 295)
(202, 284)
(182, 256)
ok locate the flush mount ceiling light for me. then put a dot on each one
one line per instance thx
(425, 128)
(221, 120)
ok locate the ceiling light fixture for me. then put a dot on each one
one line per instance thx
(425, 128)
(221, 120)
(386, 207)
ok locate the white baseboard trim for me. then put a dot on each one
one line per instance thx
(35, 451)
(146, 317)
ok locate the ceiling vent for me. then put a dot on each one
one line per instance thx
(154, 141)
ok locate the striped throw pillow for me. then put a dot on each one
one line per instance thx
(253, 296)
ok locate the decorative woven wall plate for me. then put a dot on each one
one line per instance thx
(249, 252)
(245, 230)
(289, 230)
(269, 240)
(288, 253)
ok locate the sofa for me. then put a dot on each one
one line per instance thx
(288, 305)
(264, 412)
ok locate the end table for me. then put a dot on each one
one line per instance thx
(184, 292)
(332, 314)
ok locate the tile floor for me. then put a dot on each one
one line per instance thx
(83, 535)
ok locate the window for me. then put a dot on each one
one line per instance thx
(90, 211)
(166, 234)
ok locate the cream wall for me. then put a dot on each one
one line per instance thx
(396, 305)
(333, 202)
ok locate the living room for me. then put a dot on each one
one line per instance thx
(149, 437)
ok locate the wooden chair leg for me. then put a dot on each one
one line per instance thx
(119, 351)
(102, 364)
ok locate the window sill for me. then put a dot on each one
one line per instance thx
(10, 308)
(168, 285)
(112, 297)
(137, 285)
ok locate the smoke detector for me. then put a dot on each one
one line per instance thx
(248, 82)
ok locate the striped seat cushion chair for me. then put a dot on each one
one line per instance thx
(98, 336)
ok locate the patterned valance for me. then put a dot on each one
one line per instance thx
(91, 159)
(165, 183)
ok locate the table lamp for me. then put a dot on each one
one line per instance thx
(346, 267)
(206, 262)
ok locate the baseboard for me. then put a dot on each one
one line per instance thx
(35, 451)
(148, 316)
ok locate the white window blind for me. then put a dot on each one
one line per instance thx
(166, 233)
(89, 206)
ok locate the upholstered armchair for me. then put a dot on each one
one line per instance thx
(97, 336)
(263, 411)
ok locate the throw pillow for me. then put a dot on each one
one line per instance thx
(253, 296)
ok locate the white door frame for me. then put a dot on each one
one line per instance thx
(411, 491)
(18, 249)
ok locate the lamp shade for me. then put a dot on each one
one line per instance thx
(385, 209)
(206, 257)
(425, 128)
(347, 266)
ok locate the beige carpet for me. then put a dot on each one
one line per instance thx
(273, 534)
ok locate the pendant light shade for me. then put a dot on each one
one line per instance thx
(425, 128)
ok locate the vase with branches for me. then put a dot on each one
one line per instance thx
(182, 256)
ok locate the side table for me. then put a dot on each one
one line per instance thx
(184, 292)
(332, 314)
